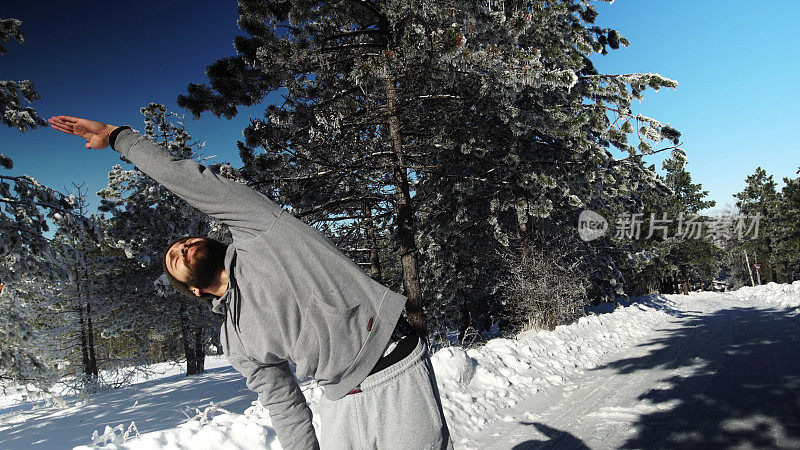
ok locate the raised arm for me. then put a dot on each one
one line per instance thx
(233, 203)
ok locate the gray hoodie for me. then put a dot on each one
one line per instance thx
(293, 298)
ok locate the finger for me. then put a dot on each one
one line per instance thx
(60, 119)
(68, 119)
(62, 128)
(56, 121)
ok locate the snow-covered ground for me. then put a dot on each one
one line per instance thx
(704, 370)
(784, 295)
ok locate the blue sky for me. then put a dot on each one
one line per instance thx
(104, 61)
(736, 62)
(737, 66)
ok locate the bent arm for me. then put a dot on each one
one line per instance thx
(235, 204)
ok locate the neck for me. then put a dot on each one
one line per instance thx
(220, 286)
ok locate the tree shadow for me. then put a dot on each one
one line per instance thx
(153, 405)
(655, 301)
(734, 381)
(555, 439)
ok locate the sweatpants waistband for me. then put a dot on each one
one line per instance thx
(416, 357)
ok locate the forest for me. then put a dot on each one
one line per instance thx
(449, 148)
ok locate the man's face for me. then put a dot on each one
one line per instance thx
(196, 261)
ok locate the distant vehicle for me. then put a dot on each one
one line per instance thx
(721, 284)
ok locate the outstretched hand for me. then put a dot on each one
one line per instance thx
(95, 133)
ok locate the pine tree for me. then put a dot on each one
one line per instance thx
(351, 74)
(24, 367)
(531, 151)
(14, 93)
(28, 265)
(26, 204)
(435, 112)
(760, 199)
(673, 258)
(786, 252)
(74, 249)
(33, 268)
(146, 217)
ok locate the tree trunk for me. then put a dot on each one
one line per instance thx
(84, 344)
(375, 263)
(374, 254)
(766, 267)
(404, 216)
(86, 370)
(93, 372)
(667, 285)
(192, 337)
(187, 339)
(769, 271)
(199, 351)
(685, 283)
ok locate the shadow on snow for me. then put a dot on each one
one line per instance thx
(555, 439)
(735, 381)
(161, 405)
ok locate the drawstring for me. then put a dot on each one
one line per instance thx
(238, 312)
(225, 325)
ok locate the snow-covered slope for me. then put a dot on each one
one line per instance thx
(476, 384)
(487, 391)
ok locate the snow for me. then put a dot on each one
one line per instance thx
(784, 295)
(722, 371)
(675, 370)
(507, 371)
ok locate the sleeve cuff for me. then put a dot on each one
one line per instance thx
(113, 136)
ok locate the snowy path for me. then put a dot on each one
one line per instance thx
(720, 375)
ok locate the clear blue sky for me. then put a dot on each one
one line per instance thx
(105, 60)
(736, 62)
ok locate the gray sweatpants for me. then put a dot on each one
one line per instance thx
(397, 408)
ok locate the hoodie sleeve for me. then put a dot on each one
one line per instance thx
(279, 392)
(233, 203)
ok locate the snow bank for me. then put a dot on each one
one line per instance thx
(478, 384)
(475, 384)
(214, 428)
(785, 295)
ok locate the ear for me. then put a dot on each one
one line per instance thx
(196, 291)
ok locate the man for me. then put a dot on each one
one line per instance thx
(291, 298)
